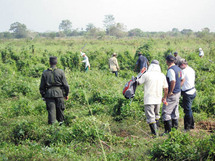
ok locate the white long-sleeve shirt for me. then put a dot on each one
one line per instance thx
(86, 60)
(154, 82)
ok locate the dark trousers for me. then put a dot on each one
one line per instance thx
(116, 73)
(55, 108)
(187, 104)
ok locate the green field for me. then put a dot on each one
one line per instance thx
(99, 122)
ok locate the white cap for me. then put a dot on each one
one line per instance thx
(82, 54)
(200, 49)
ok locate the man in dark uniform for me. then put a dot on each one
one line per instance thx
(54, 89)
(141, 62)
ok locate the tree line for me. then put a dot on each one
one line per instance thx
(112, 28)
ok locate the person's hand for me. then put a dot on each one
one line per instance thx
(164, 101)
(66, 98)
(169, 94)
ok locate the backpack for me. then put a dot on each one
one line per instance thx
(130, 87)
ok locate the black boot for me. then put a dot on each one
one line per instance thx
(153, 128)
(175, 123)
(192, 126)
(167, 126)
(188, 123)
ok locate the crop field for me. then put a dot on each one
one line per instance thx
(100, 124)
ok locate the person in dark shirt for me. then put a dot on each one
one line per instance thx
(175, 79)
(141, 62)
(54, 89)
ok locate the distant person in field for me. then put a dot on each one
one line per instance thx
(188, 93)
(177, 58)
(201, 53)
(154, 84)
(170, 113)
(113, 64)
(86, 61)
(141, 62)
(54, 89)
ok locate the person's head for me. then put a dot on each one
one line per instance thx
(175, 54)
(155, 62)
(52, 60)
(200, 49)
(139, 53)
(83, 54)
(182, 63)
(170, 59)
(114, 54)
(154, 66)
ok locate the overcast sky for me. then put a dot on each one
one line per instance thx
(148, 15)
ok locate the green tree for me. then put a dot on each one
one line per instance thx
(65, 26)
(118, 30)
(135, 32)
(187, 32)
(89, 27)
(109, 22)
(19, 30)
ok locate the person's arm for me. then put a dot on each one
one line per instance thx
(65, 86)
(42, 86)
(117, 65)
(136, 64)
(182, 78)
(182, 81)
(147, 63)
(165, 94)
(172, 86)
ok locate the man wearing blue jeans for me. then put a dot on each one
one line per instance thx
(188, 93)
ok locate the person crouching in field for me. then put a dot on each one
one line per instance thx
(86, 61)
(154, 84)
(188, 93)
(170, 113)
(54, 89)
(113, 64)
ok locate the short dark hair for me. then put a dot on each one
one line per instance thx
(53, 60)
(170, 59)
(175, 53)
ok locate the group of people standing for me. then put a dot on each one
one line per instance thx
(180, 80)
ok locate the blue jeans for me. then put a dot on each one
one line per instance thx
(187, 106)
(187, 103)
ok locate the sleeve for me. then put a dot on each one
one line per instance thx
(171, 75)
(42, 86)
(117, 65)
(142, 79)
(182, 74)
(138, 60)
(84, 61)
(65, 84)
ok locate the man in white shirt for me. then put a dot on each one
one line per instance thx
(154, 84)
(188, 92)
(86, 61)
(201, 53)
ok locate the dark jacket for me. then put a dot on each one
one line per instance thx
(53, 84)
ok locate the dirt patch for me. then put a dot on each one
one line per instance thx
(206, 125)
(123, 133)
